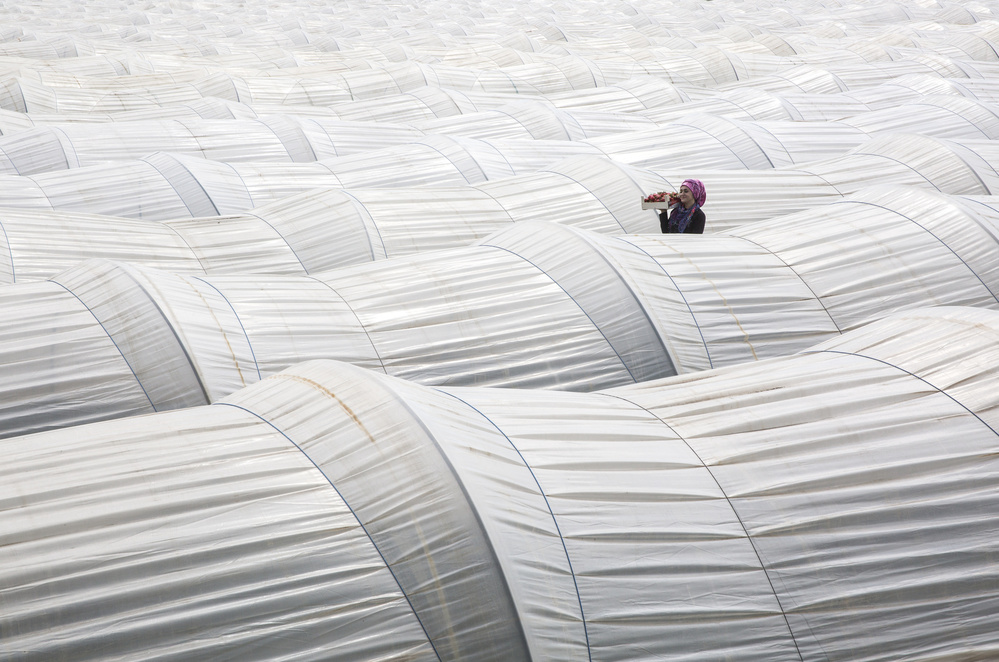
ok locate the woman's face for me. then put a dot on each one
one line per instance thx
(686, 197)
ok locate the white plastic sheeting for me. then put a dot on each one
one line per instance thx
(537, 305)
(230, 140)
(718, 139)
(164, 186)
(957, 167)
(772, 511)
(326, 228)
(836, 505)
(739, 144)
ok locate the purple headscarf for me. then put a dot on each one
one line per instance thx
(696, 187)
(680, 218)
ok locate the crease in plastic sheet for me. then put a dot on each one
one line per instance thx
(645, 527)
(141, 332)
(431, 321)
(60, 368)
(550, 339)
(234, 244)
(207, 325)
(384, 463)
(855, 252)
(731, 288)
(48, 242)
(208, 535)
(600, 289)
(291, 320)
(854, 509)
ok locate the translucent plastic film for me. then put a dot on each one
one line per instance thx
(796, 508)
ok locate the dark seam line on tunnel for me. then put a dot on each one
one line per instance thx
(645, 70)
(10, 252)
(425, 105)
(778, 140)
(296, 87)
(241, 327)
(246, 189)
(820, 177)
(725, 144)
(581, 309)
(180, 236)
(339, 183)
(964, 54)
(593, 75)
(501, 154)
(942, 243)
(183, 347)
(455, 165)
(388, 566)
(752, 140)
(17, 171)
(735, 72)
(451, 94)
(800, 88)
(800, 278)
(749, 537)
(911, 374)
(794, 114)
(471, 507)
(359, 322)
(41, 190)
(551, 512)
(364, 208)
(977, 219)
(568, 79)
(336, 153)
(730, 102)
(641, 305)
(296, 130)
(291, 130)
(843, 87)
(590, 191)
(679, 291)
(633, 95)
(62, 145)
(282, 237)
(991, 168)
(985, 135)
(499, 204)
(601, 152)
(510, 78)
(687, 80)
(704, 69)
(111, 338)
(564, 113)
(232, 81)
(194, 87)
(346, 85)
(193, 135)
(195, 179)
(424, 74)
(989, 44)
(524, 126)
(974, 172)
(909, 167)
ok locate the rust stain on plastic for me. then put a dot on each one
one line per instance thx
(332, 396)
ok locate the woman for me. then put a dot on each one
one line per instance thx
(686, 216)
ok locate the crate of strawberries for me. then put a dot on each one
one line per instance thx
(660, 200)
